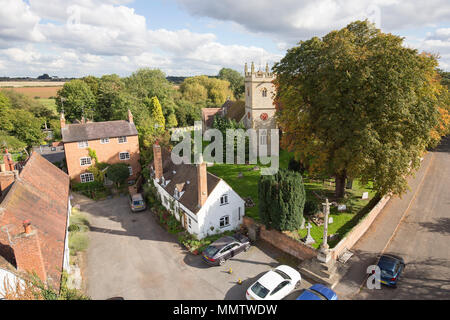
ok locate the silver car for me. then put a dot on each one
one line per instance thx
(137, 202)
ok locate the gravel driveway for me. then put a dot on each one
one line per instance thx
(132, 256)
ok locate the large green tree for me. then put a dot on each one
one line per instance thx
(110, 97)
(77, 100)
(282, 200)
(235, 79)
(358, 104)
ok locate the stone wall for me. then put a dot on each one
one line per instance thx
(358, 231)
(279, 240)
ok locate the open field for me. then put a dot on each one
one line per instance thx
(39, 91)
(21, 84)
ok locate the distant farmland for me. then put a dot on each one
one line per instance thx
(43, 92)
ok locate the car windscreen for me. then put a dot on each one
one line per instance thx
(284, 275)
(211, 251)
(260, 290)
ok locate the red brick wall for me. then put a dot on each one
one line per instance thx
(282, 241)
(108, 153)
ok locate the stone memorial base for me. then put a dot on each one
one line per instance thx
(322, 270)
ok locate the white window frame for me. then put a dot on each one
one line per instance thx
(263, 137)
(86, 163)
(189, 223)
(83, 177)
(104, 140)
(224, 199)
(130, 169)
(122, 140)
(83, 144)
(226, 222)
(124, 152)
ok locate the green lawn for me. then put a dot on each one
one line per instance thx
(315, 190)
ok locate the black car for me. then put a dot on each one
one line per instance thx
(225, 248)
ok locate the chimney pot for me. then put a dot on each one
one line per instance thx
(27, 226)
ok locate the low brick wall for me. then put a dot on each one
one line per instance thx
(357, 232)
(282, 241)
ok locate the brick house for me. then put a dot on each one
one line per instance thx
(34, 215)
(113, 142)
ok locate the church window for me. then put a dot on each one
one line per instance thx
(264, 92)
(263, 137)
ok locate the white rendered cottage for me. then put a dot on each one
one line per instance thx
(202, 202)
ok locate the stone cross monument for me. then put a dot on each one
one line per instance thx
(324, 254)
(309, 239)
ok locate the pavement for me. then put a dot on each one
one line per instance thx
(415, 227)
(131, 256)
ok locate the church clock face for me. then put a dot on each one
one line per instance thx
(264, 116)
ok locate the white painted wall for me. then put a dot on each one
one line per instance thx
(210, 214)
(10, 278)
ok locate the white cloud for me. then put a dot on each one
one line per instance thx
(18, 22)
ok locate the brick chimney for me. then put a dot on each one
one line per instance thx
(202, 183)
(27, 251)
(7, 160)
(130, 116)
(157, 160)
(62, 121)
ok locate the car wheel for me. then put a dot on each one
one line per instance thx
(247, 247)
(221, 261)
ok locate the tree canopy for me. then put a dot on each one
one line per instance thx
(77, 100)
(235, 79)
(358, 104)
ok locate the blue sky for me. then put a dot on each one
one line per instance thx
(191, 37)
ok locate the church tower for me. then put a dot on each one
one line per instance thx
(259, 107)
(259, 93)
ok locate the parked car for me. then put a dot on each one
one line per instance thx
(318, 292)
(391, 268)
(275, 284)
(225, 248)
(137, 202)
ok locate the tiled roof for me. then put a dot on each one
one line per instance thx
(235, 110)
(208, 115)
(98, 130)
(41, 196)
(183, 174)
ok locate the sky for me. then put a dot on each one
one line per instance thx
(75, 38)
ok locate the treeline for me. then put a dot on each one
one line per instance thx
(155, 102)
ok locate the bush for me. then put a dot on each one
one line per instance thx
(78, 241)
(296, 166)
(311, 208)
(94, 190)
(118, 173)
(282, 200)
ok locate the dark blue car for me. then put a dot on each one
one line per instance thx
(318, 292)
(391, 268)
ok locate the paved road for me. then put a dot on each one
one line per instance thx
(422, 238)
(131, 256)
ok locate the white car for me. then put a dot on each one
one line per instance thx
(275, 284)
